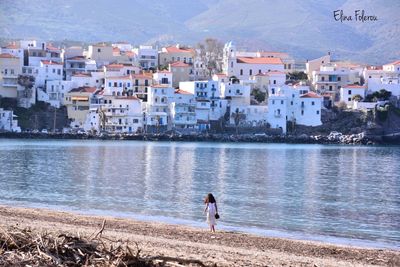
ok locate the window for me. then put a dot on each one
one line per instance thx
(232, 64)
(241, 72)
(115, 84)
(259, 71)
(98, 50)
(349, 92)
(291, 103)
(146, 82)
(302, 112)
(281, 102)
(250, 72)
(109, 84)
(59, 72)
(273, 102)
(349, 99)
(339, 79)
(128, 84)
(317, 112)
(274, 81)
(54, 70)
(179, 58)
(322, 78)
(312, 103)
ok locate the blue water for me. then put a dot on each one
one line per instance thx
(340, 194)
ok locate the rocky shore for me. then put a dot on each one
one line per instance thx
(332, 138)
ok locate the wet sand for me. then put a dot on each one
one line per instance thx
(222, 248)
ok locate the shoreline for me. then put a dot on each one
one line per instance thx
(353, 139)
(229, 248)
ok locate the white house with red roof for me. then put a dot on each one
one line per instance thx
(176, 53)
(122, 114)
(10, 68)
(118, 86)
(183, 110)
(243, 65)
(349, 91)
(78, 64)
(181, 72)
(383, 77)
(296, 104)
(158, 107)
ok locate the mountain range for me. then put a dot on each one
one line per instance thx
(305, 29)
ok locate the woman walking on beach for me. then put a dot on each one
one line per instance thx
(212, 211)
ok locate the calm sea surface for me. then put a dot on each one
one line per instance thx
(342, 194)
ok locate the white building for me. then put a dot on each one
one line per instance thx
(158, 112)
(386, 77)
(118, 86)
(56, 91)
(296, 104)
(163, 77)
(243, 65)
(349, 91)
(48, 71)
(78, 64)
(147, 56)
(123, 114)
(329, 79)
(183, 110)
(8, 122)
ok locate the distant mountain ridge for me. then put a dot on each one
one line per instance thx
(305, 29)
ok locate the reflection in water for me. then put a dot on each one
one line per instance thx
(350, 192)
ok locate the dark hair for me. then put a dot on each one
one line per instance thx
(209, 198)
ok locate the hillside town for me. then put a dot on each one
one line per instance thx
(119, 88)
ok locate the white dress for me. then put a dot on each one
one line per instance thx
(211, 210)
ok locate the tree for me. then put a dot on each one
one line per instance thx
(238, 117)
(258, 95)
(357, 98)
(210, 52)
(378, 95)
(298, 75)
(234, 79)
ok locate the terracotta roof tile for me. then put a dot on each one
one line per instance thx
(174, 49)
(4, 55)
(179, 64)
(259, 60)
(310, 95)
(182, 92)
(49, 62)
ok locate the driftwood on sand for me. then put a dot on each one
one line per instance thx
(24, 247)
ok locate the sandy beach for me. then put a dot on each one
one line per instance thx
(222, 248)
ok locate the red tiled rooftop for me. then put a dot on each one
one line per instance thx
(82, 75)
(179, 64)
(182, 92)
(127, 77)
(76, 58)
(259, 60)
(174, 49)
(12, 46)
(397, 62)
(5, 55)
(354, 86)
(114, 66)
(142, 76)
(49, 62)
(310, 95)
